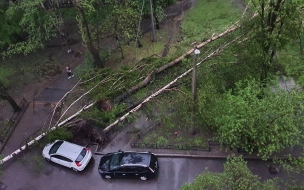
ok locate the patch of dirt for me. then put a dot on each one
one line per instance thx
(241, 4)
(172, 23)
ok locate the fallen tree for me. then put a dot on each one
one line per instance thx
(57, 125)
(150, 76)
(134, 89)
(216, 52)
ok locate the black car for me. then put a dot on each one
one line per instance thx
(142, 165)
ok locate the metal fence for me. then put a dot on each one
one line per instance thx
(9, 127)
(206, 148)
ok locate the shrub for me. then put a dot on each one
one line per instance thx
(60, 133)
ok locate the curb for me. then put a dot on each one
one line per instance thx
(203, 156)
(164, 155)
(194, 156)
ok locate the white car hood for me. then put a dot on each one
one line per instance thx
(45, 152)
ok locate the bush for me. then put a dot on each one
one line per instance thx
(59, 134)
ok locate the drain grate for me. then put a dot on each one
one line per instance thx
(2, 186)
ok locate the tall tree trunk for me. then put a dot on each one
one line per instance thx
(12, 102)
(152, 22)
(269, 24)
(154, 14)
(5, 96)
(119, 46)
(88, 41)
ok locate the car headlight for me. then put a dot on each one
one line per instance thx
(100, 171)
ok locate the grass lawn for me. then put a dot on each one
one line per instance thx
(162, 136)
(206, 19)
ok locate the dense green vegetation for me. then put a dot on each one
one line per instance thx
(236, 175)
(238, 104)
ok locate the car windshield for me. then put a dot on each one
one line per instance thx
(81, 155)
(55, 147)
(115, 160)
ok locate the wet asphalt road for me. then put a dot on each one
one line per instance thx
(26, 174)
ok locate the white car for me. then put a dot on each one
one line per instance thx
(67, 154)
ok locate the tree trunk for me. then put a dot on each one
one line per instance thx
(269, 24)
(149, 77)
(12, 102)
(154, 14)
(119, 46)
(5, 96)
(88, 41)
(139, 44)
(152, 22)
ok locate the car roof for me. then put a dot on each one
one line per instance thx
(136, 158)
(69, 149)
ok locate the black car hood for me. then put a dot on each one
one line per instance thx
(104, 163)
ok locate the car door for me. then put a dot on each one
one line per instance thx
(142, 171)
(135, 171)
(129, 171)
(64, 161)
(122, 172)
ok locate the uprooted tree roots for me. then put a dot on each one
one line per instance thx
(85, 130)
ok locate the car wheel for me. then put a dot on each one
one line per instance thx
(144, 178)
(74, 169)
(107, 177)
(47, 159)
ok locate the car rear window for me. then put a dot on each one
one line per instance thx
(55, 147)
(81, 155)
(153, 163)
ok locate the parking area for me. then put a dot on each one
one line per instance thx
(31, 172)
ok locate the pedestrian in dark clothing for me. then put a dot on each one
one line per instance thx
(69, 72)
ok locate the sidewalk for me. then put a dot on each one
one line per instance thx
(37, 113)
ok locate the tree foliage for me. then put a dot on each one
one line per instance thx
(9, 28)
(277, 24)
(38, 26)
(266, 125)
(236, 175)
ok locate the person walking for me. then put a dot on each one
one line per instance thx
(69, 72)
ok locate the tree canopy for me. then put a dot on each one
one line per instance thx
(265, 125)
(236, 175)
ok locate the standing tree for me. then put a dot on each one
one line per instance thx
(41, 22)
(277, 24)
(236, 175)
(87, 10)
(4, 94)
(9, 28)
(266, 125)
(122, 20)
(37, 25)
